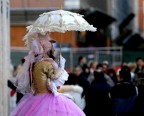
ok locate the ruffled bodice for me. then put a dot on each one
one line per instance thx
(41, 72)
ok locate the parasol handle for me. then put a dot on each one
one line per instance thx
(60, 40)
(60, 34)
(60, 53)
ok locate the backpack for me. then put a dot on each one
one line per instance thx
(124, 105)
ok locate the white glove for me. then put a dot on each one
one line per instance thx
(62, 62)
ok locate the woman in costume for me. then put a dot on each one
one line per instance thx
(39, 80)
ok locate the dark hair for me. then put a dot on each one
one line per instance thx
(139, 58)
(111, 71)
(80, 58)
(50, 54)
(99, 66)
(99, 77)
(22, 60)
(125, 74)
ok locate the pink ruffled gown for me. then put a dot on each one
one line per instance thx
(44, 102)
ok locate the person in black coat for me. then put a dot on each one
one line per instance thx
(124, 94)
(99, 103)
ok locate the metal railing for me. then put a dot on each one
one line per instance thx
(113, 55)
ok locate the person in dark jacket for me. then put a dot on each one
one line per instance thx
(112, 74)
(99, 103)
(124, 94)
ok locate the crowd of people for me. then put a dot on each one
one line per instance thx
(100, 90)
(112, 92)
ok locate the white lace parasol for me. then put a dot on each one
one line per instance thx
(58, 21)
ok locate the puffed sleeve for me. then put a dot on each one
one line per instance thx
(48, 70)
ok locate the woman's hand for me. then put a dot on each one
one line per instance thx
(62, 62)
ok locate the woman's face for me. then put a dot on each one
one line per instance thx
(140, 62)
(77, 71)
(47, 46)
